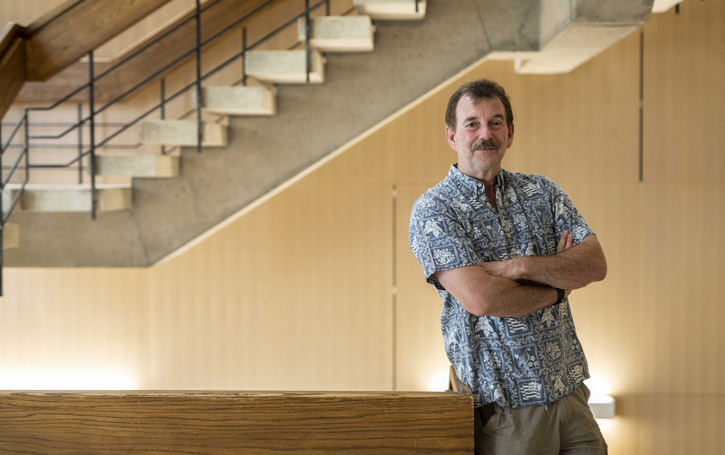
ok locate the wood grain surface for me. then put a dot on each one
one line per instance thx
(62, 40)
(235, 422)
(12, 65)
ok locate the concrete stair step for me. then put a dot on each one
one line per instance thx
(68, 198)
(570, 48)
(11, 236)
(137, 165)
(182, 132)
(661, 6)
(239, 100)
(338, 33)
(285, 67)
(391, 9)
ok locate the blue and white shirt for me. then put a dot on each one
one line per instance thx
(515, 362)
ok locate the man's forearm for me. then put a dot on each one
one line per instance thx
(516, 300)
(482, 294)
(573, 268)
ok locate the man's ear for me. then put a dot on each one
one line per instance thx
(451, 138)
(510, 138)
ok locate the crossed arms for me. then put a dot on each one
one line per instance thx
(491, 288)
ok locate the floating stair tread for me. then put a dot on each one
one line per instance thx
(137, 165)
(391, 9)
(571, 47)
(239, 100)
(285, 67)
(69, 198)
(338, 33)
(182, 132)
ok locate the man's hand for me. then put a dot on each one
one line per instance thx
(566, 241)
(572, 267)
(511, 268)
(503, 269)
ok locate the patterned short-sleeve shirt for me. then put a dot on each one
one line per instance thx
(515, 362)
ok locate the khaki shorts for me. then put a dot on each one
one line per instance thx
(566, 426)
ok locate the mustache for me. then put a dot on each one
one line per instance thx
(486, 144)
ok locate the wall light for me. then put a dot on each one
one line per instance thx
(602, 406)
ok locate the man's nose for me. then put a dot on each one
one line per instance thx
(485, 132)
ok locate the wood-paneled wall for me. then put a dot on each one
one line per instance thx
(298, 293)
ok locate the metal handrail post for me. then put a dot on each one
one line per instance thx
(163, 108)
(244, 55)
(199, 132)
(92, 139)
(80, 143)
(26, 149)
(307, 41)
(327, 7)
(416, 5)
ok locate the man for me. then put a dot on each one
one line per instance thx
(504, 250)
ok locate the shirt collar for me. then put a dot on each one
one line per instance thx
(468, 183)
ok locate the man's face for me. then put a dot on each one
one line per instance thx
(481, 137)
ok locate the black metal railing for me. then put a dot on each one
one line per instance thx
(88, 150)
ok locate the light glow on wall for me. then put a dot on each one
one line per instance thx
(66, 379)
(598, 384)
(438, 381)
(601, 402)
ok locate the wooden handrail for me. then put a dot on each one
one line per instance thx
(216, 18)
(12, 64)
(212, 423)
(9, 32)
(61, 37)
(48, 16)
(79, 28)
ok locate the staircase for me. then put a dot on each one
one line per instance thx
(257, 136)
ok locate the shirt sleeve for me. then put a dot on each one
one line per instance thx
(438, 239)
(566, 216)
